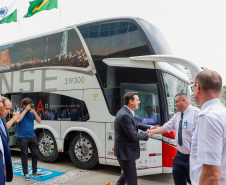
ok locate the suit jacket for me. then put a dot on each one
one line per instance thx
(8, 162)
(6, 137)
(126, 146)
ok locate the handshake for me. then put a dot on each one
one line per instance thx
(151, 132)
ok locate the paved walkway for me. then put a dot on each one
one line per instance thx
(74, 176)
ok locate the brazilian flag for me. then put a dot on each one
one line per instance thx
(40, 5)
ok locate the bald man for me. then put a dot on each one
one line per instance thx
(183, 122)
(208, 145)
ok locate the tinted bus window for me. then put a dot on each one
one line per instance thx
(114, 77)
(50, 106)
(114, 39)
(113, 43)
(174, 86)
(105, 27)
(149, 107)
(155, 37)
(60, 107)
(76, 54)
(59, 49)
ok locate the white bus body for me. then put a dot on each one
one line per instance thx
(77, 78)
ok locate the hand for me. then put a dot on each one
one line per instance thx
(149, 132)
(28, 107)
(32, 110)
(16, 113)
(155, 127)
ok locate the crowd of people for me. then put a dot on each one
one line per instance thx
(77, 59)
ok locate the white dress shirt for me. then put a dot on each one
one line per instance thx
(190, 119)
(2, 127)
(2, 150)
(130, 110)
(208, 145)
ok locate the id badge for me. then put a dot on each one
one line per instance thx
(185, 124)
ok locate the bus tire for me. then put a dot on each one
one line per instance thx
(47, 148)
(83, 153)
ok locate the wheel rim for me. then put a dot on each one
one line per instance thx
(46, 145)
(83, 149)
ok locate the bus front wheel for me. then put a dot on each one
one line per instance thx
(48, 151)
(83, 152)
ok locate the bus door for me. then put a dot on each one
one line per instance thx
(150, 161)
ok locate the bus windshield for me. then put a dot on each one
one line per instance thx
(118, 80)
(173, 86)
(149, 110)
(155, 37)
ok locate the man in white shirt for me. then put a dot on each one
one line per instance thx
(208, 145)
(183, 122)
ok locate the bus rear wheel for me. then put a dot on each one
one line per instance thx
(48, 151)
(83, 152)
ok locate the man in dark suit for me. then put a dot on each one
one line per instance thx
(126, 146)
(6, 171)
(3, 113)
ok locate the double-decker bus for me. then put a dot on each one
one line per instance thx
(77, 77)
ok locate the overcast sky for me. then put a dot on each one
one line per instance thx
(194, 29)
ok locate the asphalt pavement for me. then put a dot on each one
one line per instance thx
(64, 172)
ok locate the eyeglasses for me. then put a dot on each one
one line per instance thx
(193, 87)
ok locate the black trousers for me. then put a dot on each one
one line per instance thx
(32, 144)
(181, 169)
(129, 173)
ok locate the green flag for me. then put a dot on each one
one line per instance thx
(8, 13)
(39, 5)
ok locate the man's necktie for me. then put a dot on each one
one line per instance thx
(3, 128)
(180, 130)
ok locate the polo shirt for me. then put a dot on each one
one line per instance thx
(25, 128)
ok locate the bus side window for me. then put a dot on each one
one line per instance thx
(84, 114)
(50, 106)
